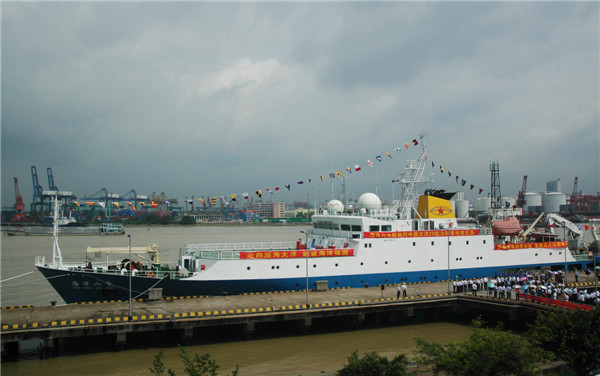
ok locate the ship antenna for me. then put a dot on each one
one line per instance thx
(410, 182)
(57, 261)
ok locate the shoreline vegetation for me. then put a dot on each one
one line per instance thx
(559, 343)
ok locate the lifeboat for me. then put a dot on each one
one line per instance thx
(506, 227)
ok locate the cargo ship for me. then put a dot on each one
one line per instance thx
(415, 239)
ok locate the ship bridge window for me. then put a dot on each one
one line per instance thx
(374, 228)
(345, 227)
(386, 228)
(356, 228)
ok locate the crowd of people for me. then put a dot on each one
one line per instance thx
(548, 284)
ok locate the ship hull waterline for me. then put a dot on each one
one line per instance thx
(80, 286)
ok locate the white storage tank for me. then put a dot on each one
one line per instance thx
(461, 208)
(552, 201)
(483, 204)
(533, 202)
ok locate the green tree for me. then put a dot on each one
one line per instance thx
(372, 364)
(573, 337)
(187, 220)
(198, 365)
(487, 352)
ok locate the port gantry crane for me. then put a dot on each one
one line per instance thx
(19, 205)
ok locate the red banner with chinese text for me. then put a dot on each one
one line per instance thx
(420, 234)
(328, 252)
(506, 247)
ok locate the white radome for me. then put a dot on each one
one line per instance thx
(335, 206)
(369, 201)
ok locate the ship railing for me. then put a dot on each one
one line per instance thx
(582, 257)
(257, 246)
(219, 255)
(40, 260)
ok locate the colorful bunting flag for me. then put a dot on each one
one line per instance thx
(480, 190)
(388, 154)
(339, 173)
(77, 204)
(349, 170)
(301, 182)
(370, 162)
(441, 169)
(356, 167)
(406, 146)
(246, 195)
(259, 193)
(472, 186)
(131, 205)
(332, 175)
(415, 142)
(233, 197)
(321, 177)
(288, 186)
(378, 158)
(398, 148)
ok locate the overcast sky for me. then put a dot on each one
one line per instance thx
(210, 99)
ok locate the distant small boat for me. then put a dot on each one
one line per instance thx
(506, 227)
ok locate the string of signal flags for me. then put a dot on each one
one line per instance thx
(353, 168)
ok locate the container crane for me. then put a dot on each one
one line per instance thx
(19, 205)
(51, 185)
(38, 191)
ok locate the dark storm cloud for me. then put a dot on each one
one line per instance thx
(212, 99)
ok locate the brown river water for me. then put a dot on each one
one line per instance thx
(319, 354)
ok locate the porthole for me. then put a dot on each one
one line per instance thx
(457, 259)
(449, 243)
(297, 266)
(484, 242)
(467, 242)
(550, 253)
(431, 260)
(366, 245)
(248, 268)
(414, 244)
(536, 254)
(409, 261)
(336, 265)
(277, 267)
(432, 243)
(272, 267)
(314, 265)
(336, 283)
(362, 263)
(386, 262)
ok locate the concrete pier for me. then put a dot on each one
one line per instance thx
(187, 320)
